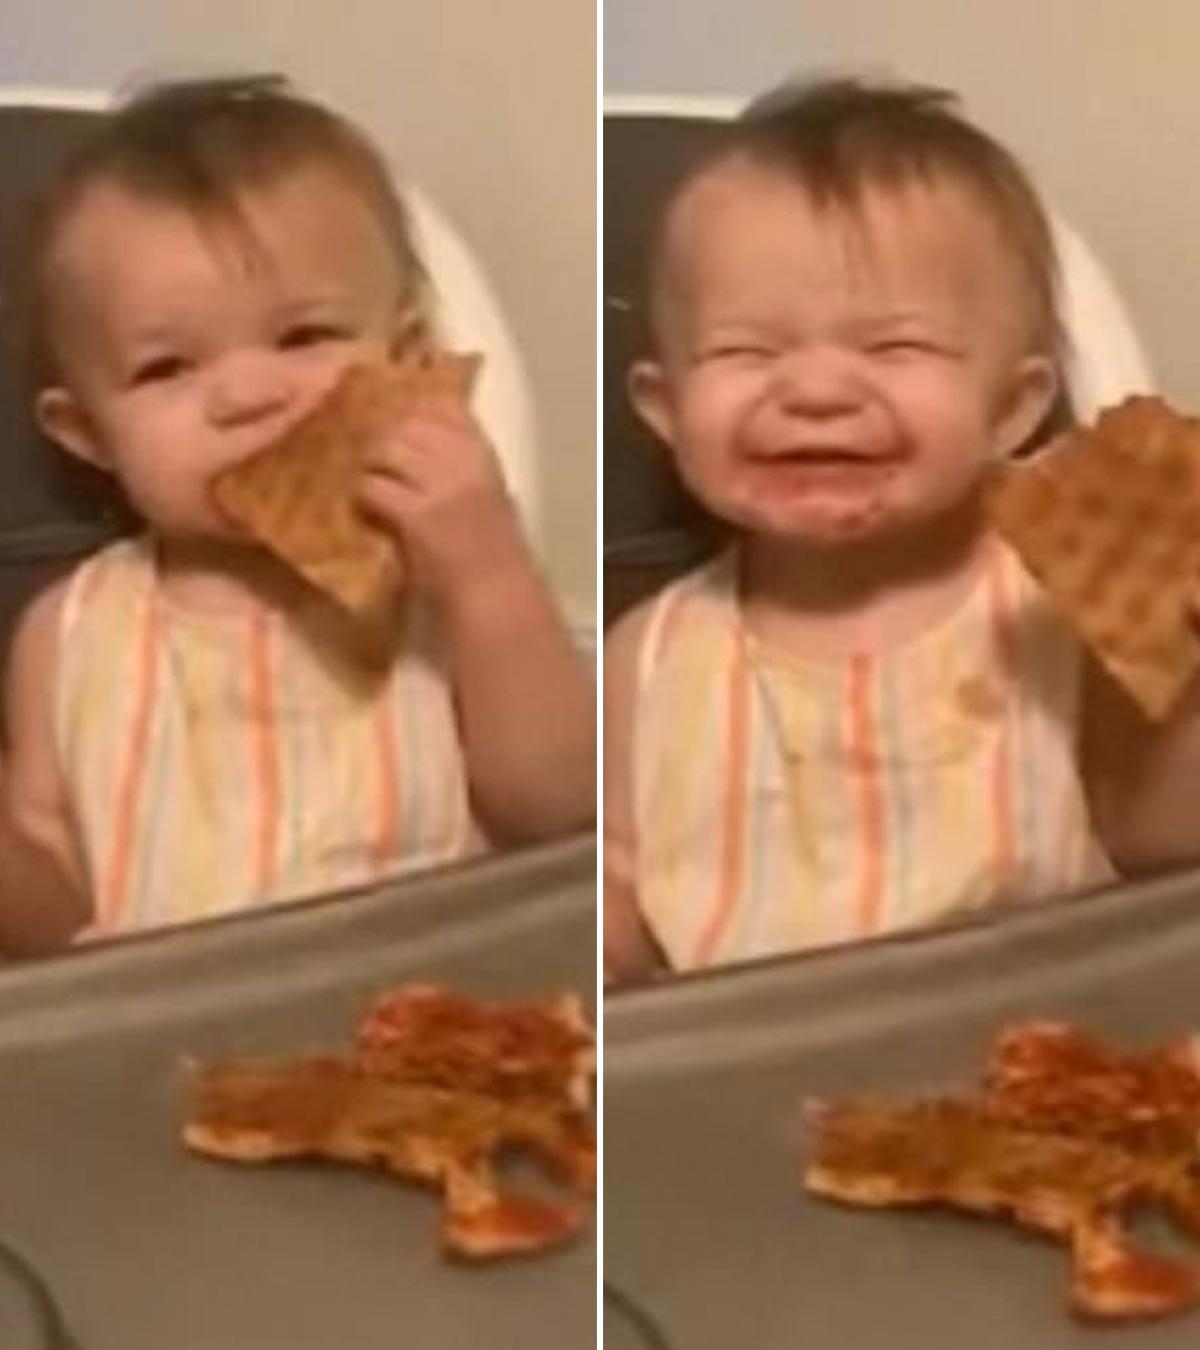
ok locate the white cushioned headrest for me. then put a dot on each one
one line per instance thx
(1107, 361)
(469, 318)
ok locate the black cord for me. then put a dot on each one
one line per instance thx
(46, 1310)
(633, 1313)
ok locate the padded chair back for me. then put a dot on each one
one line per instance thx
(53, 509)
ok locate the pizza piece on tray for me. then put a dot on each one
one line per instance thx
(1052, 1076)
(1077, 1190)
(1108, 520)
(297, 495)
(430, 1034)
(327, 1107)
(1065, 1134)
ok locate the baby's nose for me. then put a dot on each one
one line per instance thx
(816, 383)
(246, 386)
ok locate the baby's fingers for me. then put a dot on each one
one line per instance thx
(1193, 602)
(391, 496)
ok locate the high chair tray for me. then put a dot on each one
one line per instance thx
(143, 1245)
(708, 1233)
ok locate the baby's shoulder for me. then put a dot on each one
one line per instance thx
(624, 640)
(37, 624)
(40, 627)
(704, 590)
(31, 658)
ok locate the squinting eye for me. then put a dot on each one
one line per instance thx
(903, 347)
(311, 334)
(736, 352)
(159, 369)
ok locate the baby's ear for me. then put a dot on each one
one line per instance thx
(1029, 398)
(63, 418)
(650, 393)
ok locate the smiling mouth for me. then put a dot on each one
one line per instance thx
(802, 460)
(800, 474)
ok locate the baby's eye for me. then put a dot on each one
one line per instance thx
(905, 346)
(897, 345)
(158, 369)
(311, 334)
(738, 351)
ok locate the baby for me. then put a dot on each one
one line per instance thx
(863, 715)
(187, 729)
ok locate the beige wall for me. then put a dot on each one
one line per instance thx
(490, 107)
(1101, 98)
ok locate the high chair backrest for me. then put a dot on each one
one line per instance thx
(54, 510)
(651, 529)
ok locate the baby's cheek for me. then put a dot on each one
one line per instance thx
(699, 427)
(705, 482)
(701, 456)
(946, 480)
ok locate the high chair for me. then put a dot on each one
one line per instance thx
(652, 531)
(53, 509)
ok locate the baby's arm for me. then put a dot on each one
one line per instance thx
(525, 701)
(1142, 778)
(524, 697)
(630, 952)
(42, 898)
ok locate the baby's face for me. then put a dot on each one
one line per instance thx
(186, 347)
(833, 379)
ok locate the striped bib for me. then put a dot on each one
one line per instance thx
(783, 803)
(216, 763)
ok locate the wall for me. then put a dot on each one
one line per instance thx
(491, 108)
(1099, 98)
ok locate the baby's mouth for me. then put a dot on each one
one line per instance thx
(821, 465)
(827, 454)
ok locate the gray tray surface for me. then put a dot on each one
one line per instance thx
(145, 1246)
(707, 1227)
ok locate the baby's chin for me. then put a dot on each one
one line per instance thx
(823, 521)
(840, 517)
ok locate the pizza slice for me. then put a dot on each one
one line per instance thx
(326, 1107)
(1052, 1076)
(297, 495)
(1078, 1190)
(431, 1034)
(1107, 519)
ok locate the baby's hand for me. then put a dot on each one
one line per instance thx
(432, 481)
(1192, 604)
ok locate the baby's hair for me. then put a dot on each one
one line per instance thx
(199, 145)
(842, 138)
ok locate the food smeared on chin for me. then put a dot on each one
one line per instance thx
(435, 1088)
(296, 496)
(1107, 518)
(1064, 1135)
